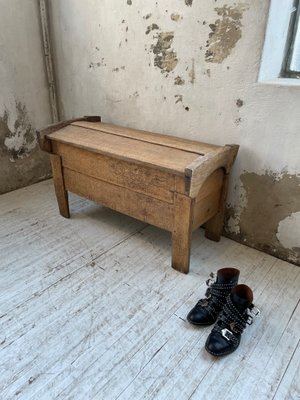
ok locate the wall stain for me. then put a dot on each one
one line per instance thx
(188, 2)
(147, 16)
(270, 198)
(135, 94)
(179, 81)
(178, 98)
(165, 58)
(239, 103)
(93, 65)
(225, 32)
(175, 17)
(192, 72)
(151, 27)
(117, 69)
(4, 129)
(129, 2)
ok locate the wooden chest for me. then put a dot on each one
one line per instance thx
(172, 183)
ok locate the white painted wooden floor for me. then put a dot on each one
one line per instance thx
(91, 309)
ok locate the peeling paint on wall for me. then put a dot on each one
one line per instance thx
(179, 81)
(165, 58)
(21, 161)
(270, 199)
(225, 32)
(151, 27)
(19, 141)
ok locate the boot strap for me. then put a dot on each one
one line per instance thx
(231, 316)
(215, 295)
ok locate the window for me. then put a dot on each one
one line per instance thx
(292, 66)
(280, 62)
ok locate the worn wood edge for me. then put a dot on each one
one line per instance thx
(44, 141)
(200, 169)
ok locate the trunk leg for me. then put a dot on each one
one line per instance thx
(182, 232)
(60, 191)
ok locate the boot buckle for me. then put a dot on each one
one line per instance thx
(253, 312)
(227, 334)
(212, 279)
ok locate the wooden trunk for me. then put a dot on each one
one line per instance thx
(172, 183)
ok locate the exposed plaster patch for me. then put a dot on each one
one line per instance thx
(179, 81)
(233, 224)
(18, 141)
(188, 2)
(270, 200)
(165, 58)
(225, 32)
(288, 232)
(151, 27)
(175, 17)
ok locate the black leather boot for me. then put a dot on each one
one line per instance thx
(207, 310)
(238, 311)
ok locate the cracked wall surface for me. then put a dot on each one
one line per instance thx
(190, 69)
(24, 98)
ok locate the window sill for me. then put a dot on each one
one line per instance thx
(281, 82)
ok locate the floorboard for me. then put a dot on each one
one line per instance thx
(91, 309)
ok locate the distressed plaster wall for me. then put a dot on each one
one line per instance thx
(189, 68)
(24, 98)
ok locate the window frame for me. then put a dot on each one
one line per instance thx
(292, 40)
(276, 45)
